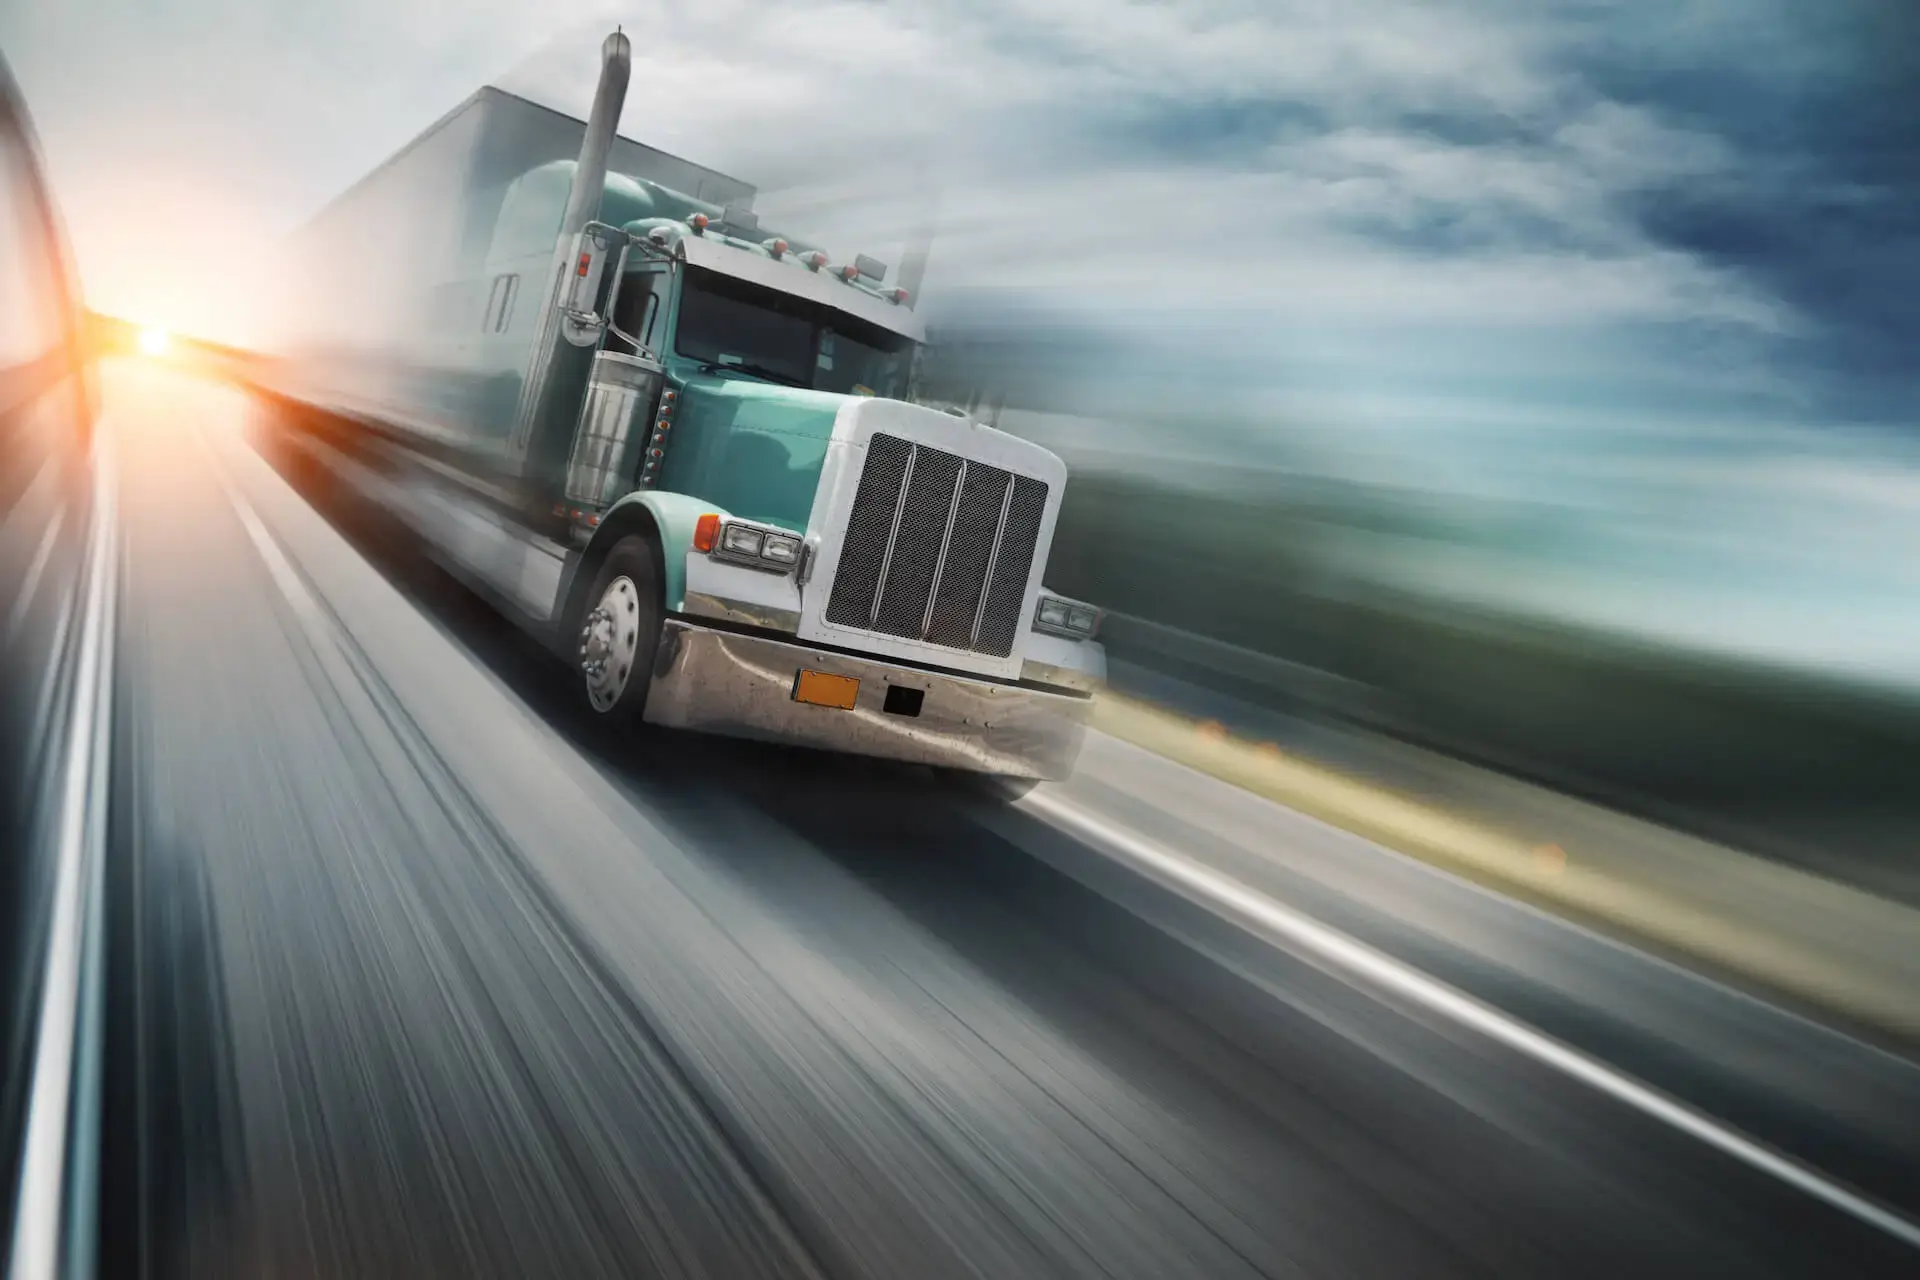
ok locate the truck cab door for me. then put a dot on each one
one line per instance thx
(639, 311)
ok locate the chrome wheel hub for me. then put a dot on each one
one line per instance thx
(609, 639)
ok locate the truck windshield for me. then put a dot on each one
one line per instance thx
(733, 324)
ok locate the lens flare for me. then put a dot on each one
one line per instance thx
(153, 341)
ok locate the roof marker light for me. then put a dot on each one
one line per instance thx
(899, 297)
(699, 223)
(776, 246)
(815, 260)
(849, 273)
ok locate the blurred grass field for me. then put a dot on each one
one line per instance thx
(1825, 946)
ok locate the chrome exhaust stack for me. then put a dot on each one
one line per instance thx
(540, 426)
(603, 122)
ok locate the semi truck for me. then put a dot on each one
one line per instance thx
(683, 450)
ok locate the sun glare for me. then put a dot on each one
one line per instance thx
(153, 341)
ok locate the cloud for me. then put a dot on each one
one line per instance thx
(1480, 242)
(1413, 159)
(1407, 161)
(1289, 205)
(1822, 204)
(1453, 163)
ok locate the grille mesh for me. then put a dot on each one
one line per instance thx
(1008, 587)
(916, 543)
(957, 600)
(919, 512)
(857, 581)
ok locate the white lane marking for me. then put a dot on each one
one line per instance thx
(279, 568)
(1427, 871)
(28, 588)
(38, 1216)
(1318, 942)
(284, 575)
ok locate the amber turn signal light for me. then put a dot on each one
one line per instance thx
(706, 530)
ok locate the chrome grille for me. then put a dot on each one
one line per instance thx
(938, 548)
(917, 538)
(1007, 583)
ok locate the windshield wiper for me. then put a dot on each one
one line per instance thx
(758, 371)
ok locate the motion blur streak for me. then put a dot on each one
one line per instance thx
(58, 580)
(1323, 945)
(63, 1089)
(1414, 489)
(434, 979)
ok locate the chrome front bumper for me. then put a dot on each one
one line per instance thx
(742, 686)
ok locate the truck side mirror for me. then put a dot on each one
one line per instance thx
(581, 289)
(580, 323)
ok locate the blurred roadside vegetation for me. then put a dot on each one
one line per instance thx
(1280, 556)
(1804, 767)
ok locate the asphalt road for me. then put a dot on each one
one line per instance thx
(413, 974)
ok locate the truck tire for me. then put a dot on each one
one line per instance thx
(619, 630)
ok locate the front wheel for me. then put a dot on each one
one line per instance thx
(619, 631)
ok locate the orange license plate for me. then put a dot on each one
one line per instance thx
(824, 690)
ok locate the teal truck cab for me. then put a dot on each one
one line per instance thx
(685, 450)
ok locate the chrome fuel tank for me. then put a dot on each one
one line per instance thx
(614, 424)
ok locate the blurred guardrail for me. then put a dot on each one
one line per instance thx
(1137, 641)
(56, 1176)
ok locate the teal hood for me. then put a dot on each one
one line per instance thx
(752, 448)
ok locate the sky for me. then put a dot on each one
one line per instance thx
(1655, 263)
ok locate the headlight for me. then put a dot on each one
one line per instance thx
(756, 548)
(1067, 618)
(742, 540)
